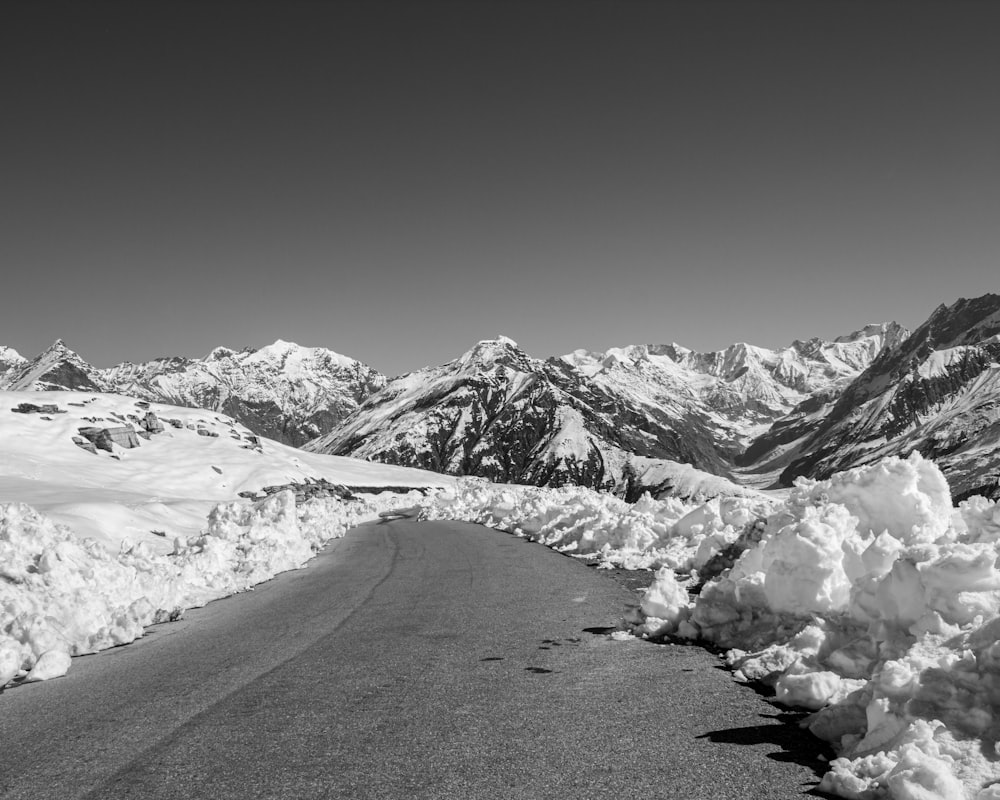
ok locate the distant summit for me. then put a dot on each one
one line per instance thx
(283, 391)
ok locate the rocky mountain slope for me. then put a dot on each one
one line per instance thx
(623, 418)
(283, 391)
(632, 418)
(937, 392)
(57, 368)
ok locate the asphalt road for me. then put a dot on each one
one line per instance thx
(410, 660)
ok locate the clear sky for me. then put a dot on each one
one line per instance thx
(397, 180)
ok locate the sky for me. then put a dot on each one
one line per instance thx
(398, 180)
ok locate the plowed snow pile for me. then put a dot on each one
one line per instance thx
(648, 533)
(865, 597)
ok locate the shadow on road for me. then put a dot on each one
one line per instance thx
(794, 744)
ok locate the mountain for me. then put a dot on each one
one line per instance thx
(283, 391)
(58, 367)
(495, 412)
(936, 392)
(740, 391)
(594, 418)
(9, 359)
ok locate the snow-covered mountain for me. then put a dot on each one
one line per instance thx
(739, 391)
(598, 419)
(283, 391)
(494, 412)
(56, 368)
(9, 359)
(936, 392)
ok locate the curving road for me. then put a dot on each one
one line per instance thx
(410, 660)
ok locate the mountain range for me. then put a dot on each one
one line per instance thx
(643, 417)
(288, 393)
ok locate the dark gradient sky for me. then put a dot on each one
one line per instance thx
(396, 180)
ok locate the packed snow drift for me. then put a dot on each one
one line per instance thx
(867, 598)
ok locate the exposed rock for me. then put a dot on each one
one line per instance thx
(104, 438)
(31, 408)
(151, 423)
(304, 492)
(82, 443)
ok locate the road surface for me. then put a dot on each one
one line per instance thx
(410, 660)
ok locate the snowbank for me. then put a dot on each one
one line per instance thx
(581, 522)
(866, 598)
(872, 601)
(62, 596)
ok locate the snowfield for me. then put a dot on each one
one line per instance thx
(866, 598)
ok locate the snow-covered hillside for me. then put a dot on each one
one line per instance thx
(168, 482)
(283, 391)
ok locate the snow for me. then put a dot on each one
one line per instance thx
(865, 598)
(643, 535)
(95, 547)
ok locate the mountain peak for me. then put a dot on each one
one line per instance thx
(57, 367)
(11, 356)
(489, 352)
(891, 330)
(219, 353)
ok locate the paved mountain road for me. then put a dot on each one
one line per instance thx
(410, 660)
